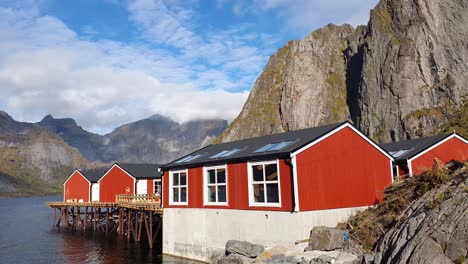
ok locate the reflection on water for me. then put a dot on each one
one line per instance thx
(27, 236)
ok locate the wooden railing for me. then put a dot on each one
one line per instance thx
(138, 198)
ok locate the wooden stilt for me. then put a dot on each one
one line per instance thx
(141, 226)
(78, 213)
(147, 231)
(107, 219)
(85, 226)
(94, 218)
(66, 217)
(129, 224)
(135, 230)
(73, 211)
(150, 239)
(55, 216)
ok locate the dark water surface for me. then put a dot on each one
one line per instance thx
(27, 236)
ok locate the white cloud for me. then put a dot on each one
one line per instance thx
(45, 67)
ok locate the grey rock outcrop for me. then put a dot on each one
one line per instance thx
(235, 259)
(433, 230)
(326, 238)
(399, 77)
(244, 248)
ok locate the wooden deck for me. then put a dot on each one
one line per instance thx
(127, 216)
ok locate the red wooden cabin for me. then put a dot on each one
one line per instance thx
(125, 178)
(415, 156)
(82, 185)
(303, 178)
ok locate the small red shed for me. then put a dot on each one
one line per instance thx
(254, 189)
(412, 157)
(82, 185)
(126, 178)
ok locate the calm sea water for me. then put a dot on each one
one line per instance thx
(27, 236)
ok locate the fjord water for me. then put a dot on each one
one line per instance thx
(27, 236)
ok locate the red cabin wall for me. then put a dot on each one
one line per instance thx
(343, 170)
(77, 187)
(150, 188)
(116, 181)
(238, 195)
(452, 149)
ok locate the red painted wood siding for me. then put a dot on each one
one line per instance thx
(150, 188)
(452, 149)
(238, 194)
(116, 181)
(343, 170)
(77, 187)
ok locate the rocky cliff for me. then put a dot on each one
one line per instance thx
(156, 139)
(33, 160)
(403, 75)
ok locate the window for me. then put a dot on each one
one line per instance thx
(274, 146)
(225, 153)
(264, 189)
(216, 185)
(399, 153)
(157, 187)
(188, 158)
(178, 185)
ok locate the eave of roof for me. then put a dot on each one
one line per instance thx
(250, 145)
(414, 146)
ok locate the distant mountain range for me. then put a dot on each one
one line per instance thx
(157, 139)
(35, 158)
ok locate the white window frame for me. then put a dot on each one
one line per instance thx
(205, 185)
(171, 187)
(160, 185)
(252, 202)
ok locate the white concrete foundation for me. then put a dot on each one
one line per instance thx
(201, 234)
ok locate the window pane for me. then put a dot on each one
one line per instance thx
(257, 172)
(222, 194)
(272, 193)
(211, 193)
(183, 178)
(259, 193)
(221, 175)
(271, 172)
(211, 176)
(175, 179)
(183, 194)
(175, 195)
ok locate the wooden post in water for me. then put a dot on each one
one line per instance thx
(85, 226)
(107, 219)
(141, 226)
(55, 216)
(150, 239)
(66, 217)
(135, 230)
(129, 223)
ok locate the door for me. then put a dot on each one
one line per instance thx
(95, 192)
(142, 187)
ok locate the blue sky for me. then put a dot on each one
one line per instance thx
(109, 62)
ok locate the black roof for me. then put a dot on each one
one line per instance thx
(248, 147)
(142, 171)
(407, 149)
(93, 175)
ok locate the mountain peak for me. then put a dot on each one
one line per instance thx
(158, 117)
(50, 120)
(4, 115)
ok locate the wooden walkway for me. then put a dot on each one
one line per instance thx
(127, 216)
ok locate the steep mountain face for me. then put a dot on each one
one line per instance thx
(156, 139)
(33, 160)
(403, 75)
(74, 135)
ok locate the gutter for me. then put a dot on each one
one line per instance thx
(291, 172)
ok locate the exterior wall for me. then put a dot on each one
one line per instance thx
(115, 181)
(341, 171)
(237, 181)
(202, 234)
(452, 149)
(76, 187)
(150, 186)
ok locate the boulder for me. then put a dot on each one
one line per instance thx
(281, 259)
(244, 248)
(347, 258)
(235, 259)
(323, 259)
(268, 254)
(326, 238)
